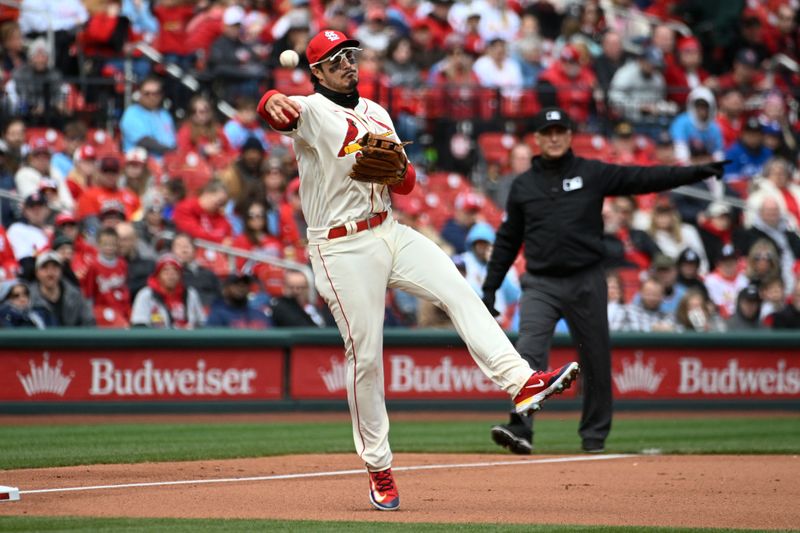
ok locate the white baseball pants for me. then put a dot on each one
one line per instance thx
(352, 274)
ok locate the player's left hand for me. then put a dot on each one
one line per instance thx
(488, 301)
(716, 169)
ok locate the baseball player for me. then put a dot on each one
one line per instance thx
(349, 159)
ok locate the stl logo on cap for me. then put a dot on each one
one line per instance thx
(553, 115)
(332, 36)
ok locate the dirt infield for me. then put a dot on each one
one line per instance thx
(695, 491)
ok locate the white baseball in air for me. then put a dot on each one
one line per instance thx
(289, 59)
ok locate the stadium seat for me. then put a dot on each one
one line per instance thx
(292, 81)
(54, 138)
(496, 147)
(525, 105)
(192, 169)
(215, 261)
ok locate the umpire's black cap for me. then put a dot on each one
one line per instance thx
(551, 116)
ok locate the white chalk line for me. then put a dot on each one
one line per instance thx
(331, 473)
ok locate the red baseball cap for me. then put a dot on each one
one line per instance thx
(86, 152)
(65, 218)
(325, 42)
(688, 43)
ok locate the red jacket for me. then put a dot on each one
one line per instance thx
(172, 36)
(8, 263)
(92, 199)
(192, 219)
(574, 95)
(98, 32)
(678, 84)
(185, 144)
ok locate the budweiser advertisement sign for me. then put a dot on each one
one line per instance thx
(649, 373)
(135, 375)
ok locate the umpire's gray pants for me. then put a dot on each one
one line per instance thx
(582, 299)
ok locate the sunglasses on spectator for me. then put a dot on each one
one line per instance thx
(19, 294)
(349, 53)
(157, 92)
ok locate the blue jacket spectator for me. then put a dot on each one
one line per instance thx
(234, 310)
(695, 131)
(748, 155)
(146, 123)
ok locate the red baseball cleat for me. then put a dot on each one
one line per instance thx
(541, 385)
(383, 491)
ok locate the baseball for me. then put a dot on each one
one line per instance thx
(289, 58)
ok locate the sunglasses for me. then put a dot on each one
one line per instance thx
(151, 93)
(19, 294)
(349, 53)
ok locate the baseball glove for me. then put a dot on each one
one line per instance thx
(382, 161)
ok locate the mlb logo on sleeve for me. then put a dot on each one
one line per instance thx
(573, 184)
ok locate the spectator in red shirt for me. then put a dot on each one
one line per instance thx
(202, 217)
(107, 188)
(106, 283)
(173, 17)
(201, 132)
(8, 263)
(685, 72)
(256, 238)
(83, 253)
(83, 172)
(568, 85)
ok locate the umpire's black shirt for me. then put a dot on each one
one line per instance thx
(555, 210)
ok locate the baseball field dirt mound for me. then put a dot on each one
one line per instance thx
(759, 492)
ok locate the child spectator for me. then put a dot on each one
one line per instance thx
(107, 189)
(105, 283)
(725, 281)
(695, 314)
(166, 302)
(773, 297)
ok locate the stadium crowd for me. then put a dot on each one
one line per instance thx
(117, 211)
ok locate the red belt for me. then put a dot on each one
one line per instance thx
(361, 225)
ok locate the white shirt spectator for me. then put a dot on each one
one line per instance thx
(38, 16)
(507, 75)
(723, 290)
(26, 239)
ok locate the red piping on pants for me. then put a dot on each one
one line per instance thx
(353, 344)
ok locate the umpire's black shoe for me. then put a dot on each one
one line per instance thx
(593, 446)
(507, 437)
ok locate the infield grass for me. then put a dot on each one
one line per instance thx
(35, 446)
(129, 525)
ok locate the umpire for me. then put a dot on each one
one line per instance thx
(554, 209)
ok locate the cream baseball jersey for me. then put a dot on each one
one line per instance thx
(325, 144)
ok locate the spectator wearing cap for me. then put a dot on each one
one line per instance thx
(776, 183)
(725, 281)
(107, 189)
(479, 242)
(195, 275)
(689, 277)
(244, 172)
(638, 91)
(748, 154)
(234, 309)
(730, 116)
(8, 262)
(716, 227)
(61, 300)
(35, 89)
(570, 85)
(745, 77)
(245, 124)
(202, 133)
(232, 62)
(83, 252)
(646, 313)
(29, 236)
(466, 212)
(202, 217)
(136, 177)
(770, 222)
(695, 130)
(496, 69)
(105, 284)
(15, 307)
(83, 171)
(664, 269)
(64, 247)
(789, 316)
(671, 234)
(166, 303)
(751, 35)
(627, 148)
(562, 195)
(686, 73)
(748, 310)
(37, 168)
(146, 123)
